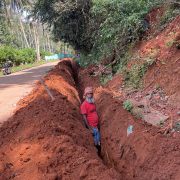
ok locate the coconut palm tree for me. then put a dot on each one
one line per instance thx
(18, 5)
(5, 4)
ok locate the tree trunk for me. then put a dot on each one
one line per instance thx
(36, 40)
(38, 49)
(7, 16)
(31, 37)
(22, 41)
(48, 43)
(64, 51)
(59, 47)
(43, 39)
(22, 26)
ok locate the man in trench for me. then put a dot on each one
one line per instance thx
(90, 117)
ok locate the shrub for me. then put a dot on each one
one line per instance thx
(17, 56)
(127, 105)
(44, 53)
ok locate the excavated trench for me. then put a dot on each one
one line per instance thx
(144, 154)
(48, 140)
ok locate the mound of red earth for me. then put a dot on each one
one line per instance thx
(48, 140)
(164, 50)
(145, 154)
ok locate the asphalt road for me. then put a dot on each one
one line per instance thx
(17, 85)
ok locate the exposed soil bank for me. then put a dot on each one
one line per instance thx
(48, 140)
(145, 154)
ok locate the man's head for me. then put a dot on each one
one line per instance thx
(88, 95)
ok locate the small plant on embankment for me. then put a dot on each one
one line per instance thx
(134, 77)
(105, 80)
(128, 105)
(161, 123)
(140, 114)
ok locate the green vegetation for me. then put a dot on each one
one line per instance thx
(96, 26)
(161, 123)
(128, 105)
(105, 80)
(177, 125)
(93, 27)
(140, 114)
(157, 86)
(19, 56)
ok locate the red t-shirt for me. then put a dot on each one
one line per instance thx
(90, 110)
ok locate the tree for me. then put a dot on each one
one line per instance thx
(69, 19)
(5, 5)
(36, 38)
(18, 4)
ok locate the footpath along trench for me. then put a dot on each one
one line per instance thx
(48, 140)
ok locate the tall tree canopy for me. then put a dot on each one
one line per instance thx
(70, 20)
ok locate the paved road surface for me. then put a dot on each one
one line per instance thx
(17, 85)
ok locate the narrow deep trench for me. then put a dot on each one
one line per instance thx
(59, 140)
(80, 88)
(145, 154)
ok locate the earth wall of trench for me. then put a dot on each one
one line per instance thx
(145, 154)
(47, 140)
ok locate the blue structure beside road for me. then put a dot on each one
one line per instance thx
(58, 56)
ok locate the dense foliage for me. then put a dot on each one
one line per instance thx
(96, 26)
(6, 38)
(93, 27)
(69, 19)
(122, 21)
(19, 56)
(22, 37)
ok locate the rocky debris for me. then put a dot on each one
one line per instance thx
(143, 109)
(105, 67)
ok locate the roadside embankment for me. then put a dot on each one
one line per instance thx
(145, 153)
(48, 140)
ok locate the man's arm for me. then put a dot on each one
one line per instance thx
(87, 124)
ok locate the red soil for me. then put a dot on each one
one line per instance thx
(146, 153)
(48, 140)
(165, 50)
(164, 74)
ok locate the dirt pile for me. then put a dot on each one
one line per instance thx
(48, 140)
(164, 50)
(144, 154)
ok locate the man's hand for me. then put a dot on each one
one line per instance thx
(92, 132)
(87, 124)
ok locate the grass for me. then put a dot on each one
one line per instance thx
(18, 68)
